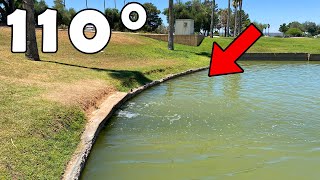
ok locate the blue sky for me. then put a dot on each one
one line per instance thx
(274, 12)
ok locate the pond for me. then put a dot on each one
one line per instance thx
(262, 124)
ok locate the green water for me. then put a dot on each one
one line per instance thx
(263, 124)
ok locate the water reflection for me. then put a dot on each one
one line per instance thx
(231, 86)
(169, 90)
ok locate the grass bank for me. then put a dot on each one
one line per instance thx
(267, 45)
(44, 105)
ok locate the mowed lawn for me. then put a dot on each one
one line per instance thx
(272, 45)
(44, 105)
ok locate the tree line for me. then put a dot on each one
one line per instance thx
(297, 29)
(210, 19)
(154, 22)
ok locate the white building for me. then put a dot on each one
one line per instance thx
(184, 27)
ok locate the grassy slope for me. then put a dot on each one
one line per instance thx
(42, 104)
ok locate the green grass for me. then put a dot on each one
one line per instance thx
(36, 135)
(265, 45)
(43, 105)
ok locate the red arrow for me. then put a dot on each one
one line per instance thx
(223, 62)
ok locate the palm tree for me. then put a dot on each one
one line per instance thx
(228, 20)
(240, 15)
(171, 26)
(235, 5)
(115, 4)
(264, 29)
(212, 18)
(32, 48)
(223, 14)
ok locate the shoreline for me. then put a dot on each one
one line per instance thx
(100, 117)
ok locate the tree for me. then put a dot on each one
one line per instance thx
(18, 4)
(296, 24)
(113, 17)
(39, 8)
(260, 26)
(310, 27)
(32, 47)
(245, 21)
(212, 17)
(201, 13)
(219, 26)
(295, 32)
(265, 26)
(6, 9)
(223, 14)
(10, 5)
(153, 19)
(318, 29)
(240, 15)
(71, 13)
(283, 28)
(229, 17)
(58, 5)
(235, 5)
(64, 15)
(171, 26)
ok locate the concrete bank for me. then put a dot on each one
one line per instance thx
(190, 40)
(281, 57)
(97, 122)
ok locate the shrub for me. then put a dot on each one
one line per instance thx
(216, 33)
(294, 32)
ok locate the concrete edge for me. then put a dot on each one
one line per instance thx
(97, 122)
(189, 40)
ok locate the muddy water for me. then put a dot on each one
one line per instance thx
(262, 124)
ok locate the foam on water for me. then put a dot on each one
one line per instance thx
(126, 114)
